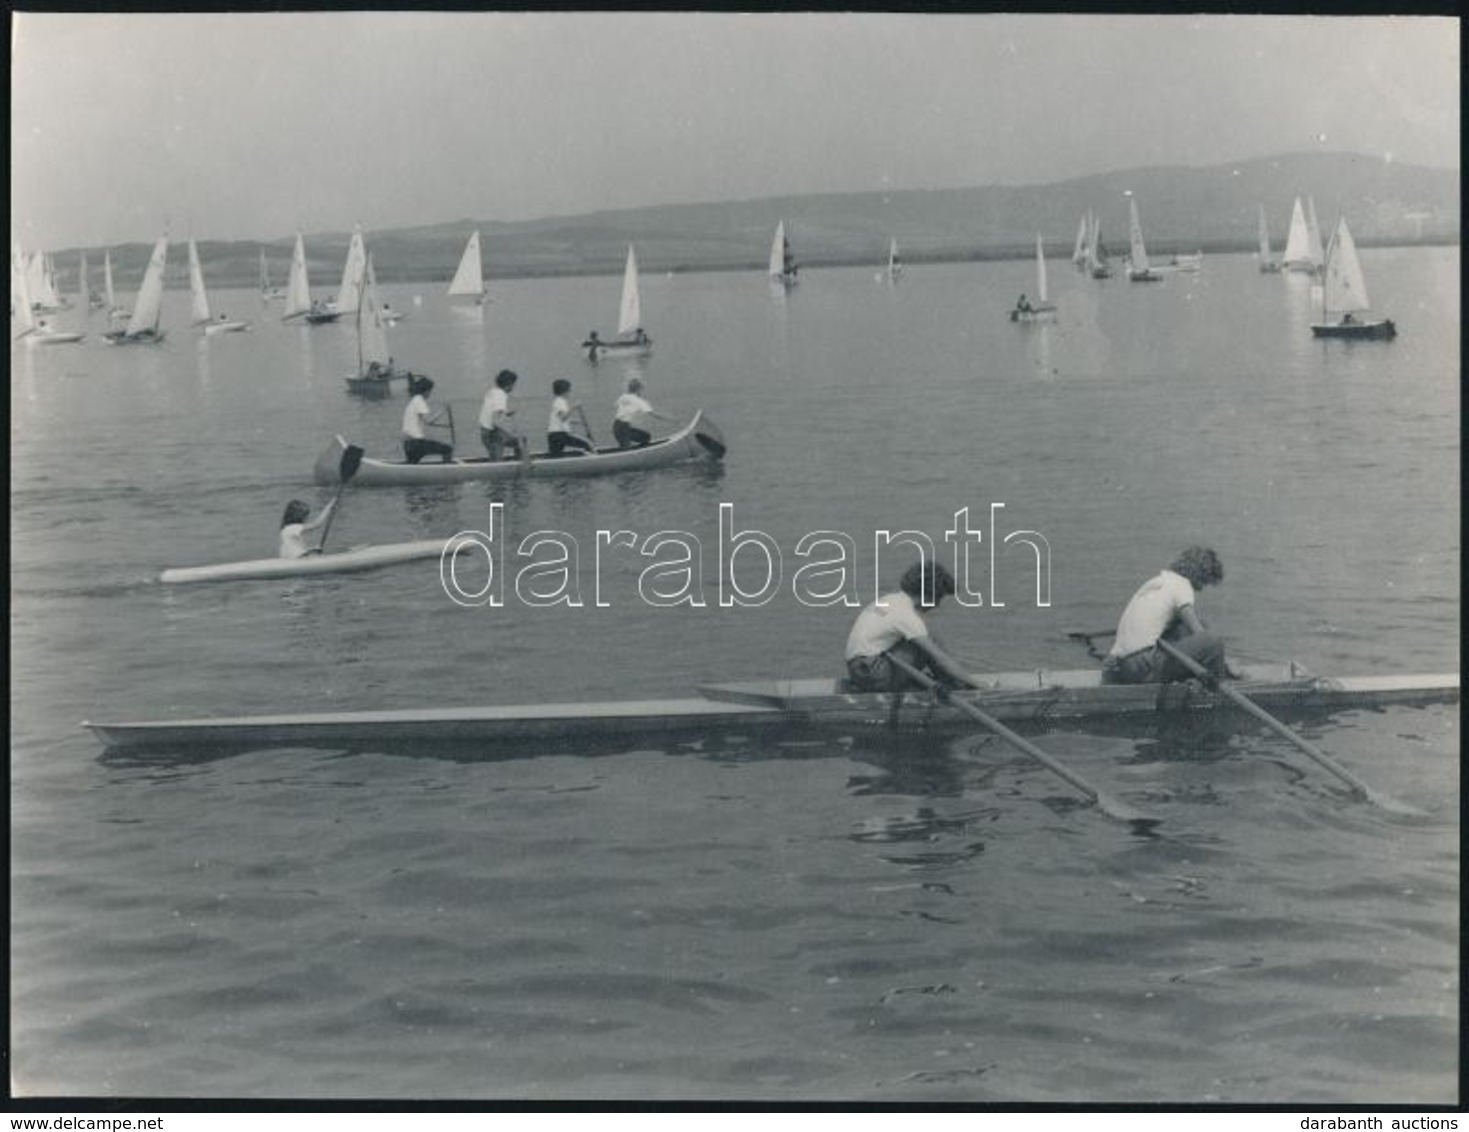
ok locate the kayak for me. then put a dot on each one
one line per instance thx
(699, 440)
(338, 562)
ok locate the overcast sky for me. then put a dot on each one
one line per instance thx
(241, 126)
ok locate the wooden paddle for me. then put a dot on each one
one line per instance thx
(351, 461)
(1359, 788)
(1110, 806)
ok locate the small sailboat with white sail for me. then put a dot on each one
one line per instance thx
(1345, 307)
(1096, 254)
(298, 290)
(143, 327)
(28, 327)
(385, 310)
(1303, 253)
(88, 298)
(1268, 264)
(375, 369)
(895, 263)
(1138, 270)
(268, 294)
(783, 268)
(1042, 309)
(1079, 248)
(354, 275)
(631, 340)
(41, 283)
(469, 276)
(199, 301)
(109, 294)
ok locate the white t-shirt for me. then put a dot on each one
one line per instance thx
(414, 416)
(293, 541)
(1150, 612)
(560, 416)
(630, 408)
(496, 401)
(893, 618)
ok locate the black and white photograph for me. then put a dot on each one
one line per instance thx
(735, 559)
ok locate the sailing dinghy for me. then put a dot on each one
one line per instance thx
(199, 300)
(895, 265)
(1042, 310)
(631, 341)
(375, 369)
(783, 268)
(30, 329)
(1269, 265)
(1344, 294)
(469, 277)
(268, 294)
(1138, 270)
(143, 327)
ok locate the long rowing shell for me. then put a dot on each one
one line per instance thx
(359, 558)
(699, 440)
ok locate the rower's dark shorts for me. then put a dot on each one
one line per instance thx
(629, 435)
(416, 450)
(560, 443)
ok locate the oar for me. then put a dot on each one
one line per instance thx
(1110, 806)
(351, 461)
(1359, 788)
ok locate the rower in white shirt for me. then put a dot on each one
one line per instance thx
(631, 410)
(1163, 607)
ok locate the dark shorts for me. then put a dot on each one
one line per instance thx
(560, 443)
(629, 435)
(879, 674)
(416, 450)
(497, 442)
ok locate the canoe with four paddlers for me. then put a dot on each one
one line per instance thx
(699, 440)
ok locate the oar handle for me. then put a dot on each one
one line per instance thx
(1110, 806)
(1359, 788)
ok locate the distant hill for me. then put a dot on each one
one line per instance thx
(1183, 209)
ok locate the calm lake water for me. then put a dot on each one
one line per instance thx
(861, 919)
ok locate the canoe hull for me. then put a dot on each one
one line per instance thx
(1378, 330)
(615, 349)
(779, 706)
(699, 440)
(362, 558)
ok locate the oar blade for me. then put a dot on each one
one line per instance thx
(351, 461)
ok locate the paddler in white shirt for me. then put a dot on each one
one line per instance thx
(1163, 607)
(497, 430)
(631, 410)
(894, 624)
(295, 523)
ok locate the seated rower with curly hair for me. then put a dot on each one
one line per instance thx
(1163, 607)
(894, 625)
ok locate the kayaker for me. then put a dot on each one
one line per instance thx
(560, 440)
(1163, 607)
(497, 431)
(295, 523)
(894, 625)
(416, 417)
(631, 409)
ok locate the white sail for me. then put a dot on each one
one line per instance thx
(1093, 242)
(148, 307)
(1135, 234)
(469, 279)
(349, 294)
(52, 294)
(630, 314)
(82, 288)
(895, 264)
(109, 294)
(39, 280)
(1079, 249)
(25, 316)
(1040, 270)
(1344, 289)
(1313, 236)
(1297, 253)
(372, 335)
(1264, 237)
(198, 298)
(777, 250)
(298, 289)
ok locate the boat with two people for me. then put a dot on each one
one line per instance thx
(1042, 309)
(375, 368)
(299, 303)
(199, 301)
(631, 340)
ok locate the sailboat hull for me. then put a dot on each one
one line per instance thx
(1379, 329)
(141, 338)
(616, 349)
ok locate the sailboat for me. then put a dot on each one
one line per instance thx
(1298, 256)
(143, 327)
(109, 295)
(469, 277)
(1269, 265)
(87, 297)
(298, 289)
(375, 367)
(354, 274)
(895, 265)
(268, 294)
(1096, 255)
(385, 309)
(1042, 309)
(1313, 236)
(199, 301)
(30, 328)
(783, 266)
(42, 286)
(1079, 248)
(630, 338)
(1138, 270)
(1344, 294)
